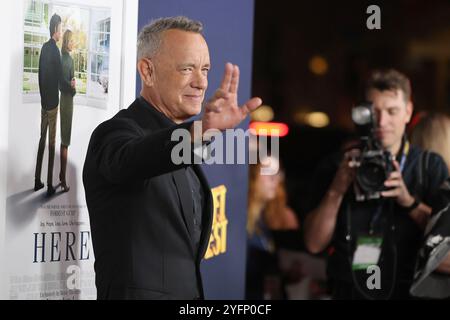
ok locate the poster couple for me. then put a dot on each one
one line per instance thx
(56, 73)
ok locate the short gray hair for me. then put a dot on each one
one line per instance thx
(149, 38)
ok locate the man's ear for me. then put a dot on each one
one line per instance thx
(146, 71)
(409, 110)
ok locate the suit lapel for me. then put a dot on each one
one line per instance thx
(207, 212)
(184, 192)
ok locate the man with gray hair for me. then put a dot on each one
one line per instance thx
(151, 218)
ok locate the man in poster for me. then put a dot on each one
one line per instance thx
(50, 72)
(151, 218)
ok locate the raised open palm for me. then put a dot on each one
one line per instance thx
(222, 110)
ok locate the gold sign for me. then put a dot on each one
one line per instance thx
(218, 240)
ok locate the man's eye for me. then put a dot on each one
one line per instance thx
(392, 112)
(205, 70)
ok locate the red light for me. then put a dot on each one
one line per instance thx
(276, 129)
(416, 119)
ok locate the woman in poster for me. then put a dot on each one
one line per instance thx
(67, 88)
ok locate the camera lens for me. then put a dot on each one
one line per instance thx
(371, 175)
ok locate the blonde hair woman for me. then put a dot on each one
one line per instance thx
(433, 133)
(67, 88)
(267, 211)
(267, 200)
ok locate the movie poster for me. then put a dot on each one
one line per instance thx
(48, 243)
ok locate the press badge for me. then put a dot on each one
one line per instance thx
(367, 253)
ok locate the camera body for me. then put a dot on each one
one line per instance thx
(374, 164)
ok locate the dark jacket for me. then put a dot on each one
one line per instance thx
(50, 75)
(140, 209)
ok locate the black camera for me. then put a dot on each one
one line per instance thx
(374, 164)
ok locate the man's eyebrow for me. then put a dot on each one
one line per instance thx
(182, 65)
(193, 65)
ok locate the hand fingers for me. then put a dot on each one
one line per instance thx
(390, 193)
(393, 183)
(212, 107)
(226, 80)
(250, 105)
(395, 175)
(396, 165)
(354, 153)
(234, 80)
(220, 94)
(353, 163)
(349, 158)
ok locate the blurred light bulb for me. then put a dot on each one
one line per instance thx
(263, 113)
(317, 119)
(318, 65)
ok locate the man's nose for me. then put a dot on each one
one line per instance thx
(382, 119)
(200, 80)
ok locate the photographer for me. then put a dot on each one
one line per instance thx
(386, 226)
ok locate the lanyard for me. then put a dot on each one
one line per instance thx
(404, 155)
(379, 210)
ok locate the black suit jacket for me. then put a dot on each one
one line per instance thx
(50, 75)
(140, 208)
